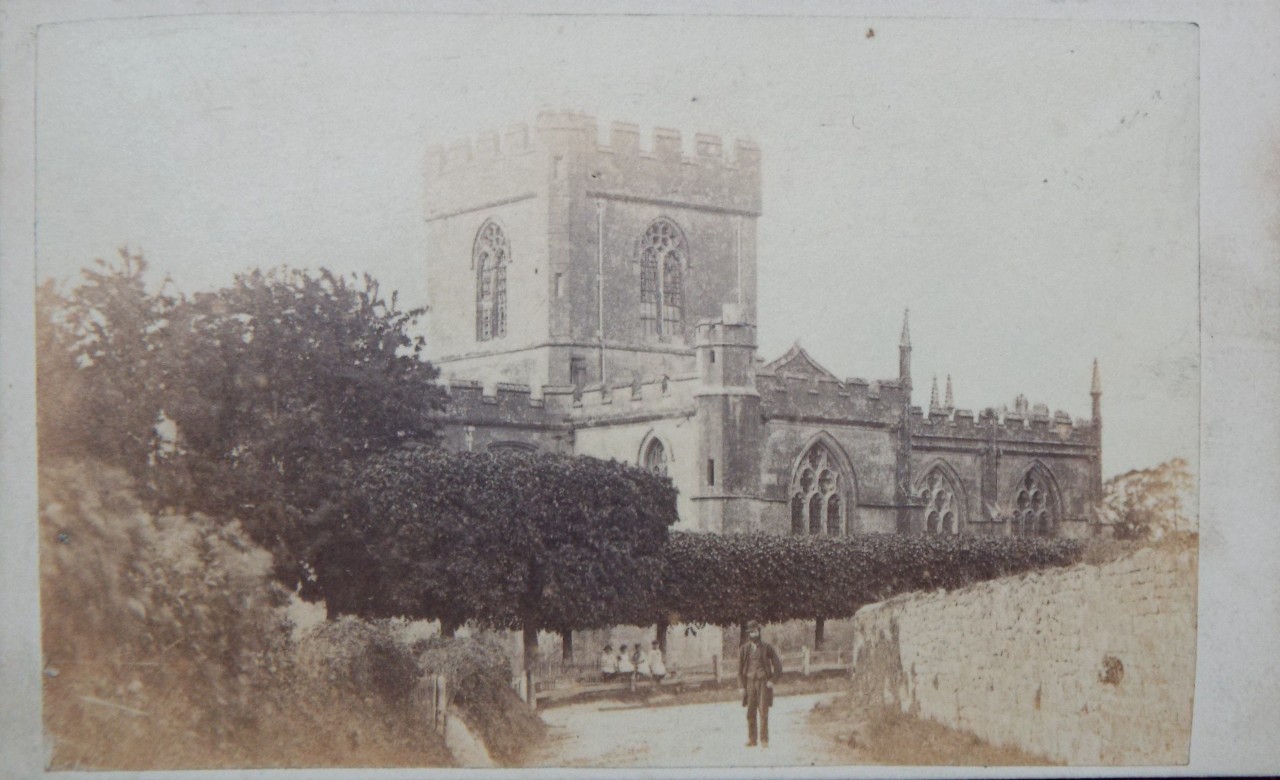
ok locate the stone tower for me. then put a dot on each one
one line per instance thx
(556, 260)
(730, 427)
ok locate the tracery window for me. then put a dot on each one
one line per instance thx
(941, 506)
(490, 255)
(816, 504)
(655, 457)
(663, 257)
(1035, 511)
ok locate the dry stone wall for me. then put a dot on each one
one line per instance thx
(1090, 665)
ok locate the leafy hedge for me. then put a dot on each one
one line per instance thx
(534, 541)
(726, 580)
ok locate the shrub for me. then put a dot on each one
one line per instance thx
(723, 580)
(479, 675)
(1148, 504)
(166, 645)
(361, 658)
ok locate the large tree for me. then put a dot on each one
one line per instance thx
(277, 385)
(98, 376)
(510, 540)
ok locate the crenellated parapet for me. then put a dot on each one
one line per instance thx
(816, 397)
(661, 396)
(1036, 425)
(562, 148)
(473, 403)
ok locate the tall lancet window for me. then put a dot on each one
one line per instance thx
(816, 489)
(664, 256)
(490, 255)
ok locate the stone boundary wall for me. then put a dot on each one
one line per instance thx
(1090, 665)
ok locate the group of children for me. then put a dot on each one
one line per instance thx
(622, 665)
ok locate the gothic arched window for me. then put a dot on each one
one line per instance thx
(655, 457)
(490, 256)
(1034, 509)
(816, 490)
(663, 258)
(941, 503)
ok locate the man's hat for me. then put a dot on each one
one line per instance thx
(753, 625)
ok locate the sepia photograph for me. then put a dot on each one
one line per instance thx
(433, 389)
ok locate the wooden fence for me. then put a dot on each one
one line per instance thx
(431, 698)
(551, 677)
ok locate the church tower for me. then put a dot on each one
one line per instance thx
(554, 259)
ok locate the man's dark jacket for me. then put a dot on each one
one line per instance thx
(772, 663)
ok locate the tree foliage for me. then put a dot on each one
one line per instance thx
(99, 369)
(507, 540)
(1150, 503)
(270, 387)
(278, 378)
(725, 580)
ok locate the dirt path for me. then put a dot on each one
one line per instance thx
(611, 734)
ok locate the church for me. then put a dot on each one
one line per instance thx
(601, 300)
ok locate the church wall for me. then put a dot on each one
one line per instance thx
(623, 441)
(451, 290)
(625, 363)
(1070, 474)
(966, 470)
(710, 279)
(482, 438)
(477, 418)
(520, 366)
(869, 450)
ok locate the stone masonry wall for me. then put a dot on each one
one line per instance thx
(1091, 665)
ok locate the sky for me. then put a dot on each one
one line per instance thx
(1029, 189)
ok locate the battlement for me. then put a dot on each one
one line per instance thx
(1037, 424)
(729, 330)
(508, 402)
(663, 144)
(786, 395)
(650, 395)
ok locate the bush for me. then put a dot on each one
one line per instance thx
(479, 675)
(725, 580)
(362, 659)
(1148, 504)
(166, 645)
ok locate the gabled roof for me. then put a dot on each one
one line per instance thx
(797, 362)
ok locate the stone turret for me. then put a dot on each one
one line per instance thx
(904, 353)
(902, 469)
(730, 424)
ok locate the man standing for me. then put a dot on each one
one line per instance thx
(758, 666)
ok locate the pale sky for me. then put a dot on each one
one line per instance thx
(1028, 189)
